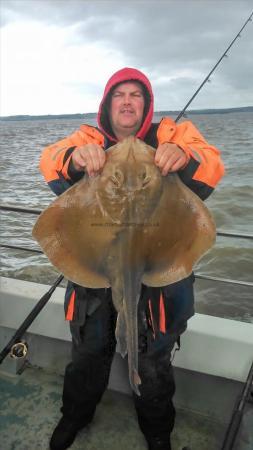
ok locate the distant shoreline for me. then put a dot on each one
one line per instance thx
(93, 115)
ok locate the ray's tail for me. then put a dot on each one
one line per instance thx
(132, 290)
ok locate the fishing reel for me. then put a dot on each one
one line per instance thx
(19, 350)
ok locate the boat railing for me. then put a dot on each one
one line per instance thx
(229, 234)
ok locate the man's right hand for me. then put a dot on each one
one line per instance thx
(89, 157)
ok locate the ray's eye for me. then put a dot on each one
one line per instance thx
(117, 178)
(115, 181)
(145, 178)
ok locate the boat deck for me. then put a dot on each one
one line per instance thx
(210, 370)
(29, 410)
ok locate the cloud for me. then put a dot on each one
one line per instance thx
(175, 42)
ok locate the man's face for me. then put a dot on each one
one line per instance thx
(126, 110)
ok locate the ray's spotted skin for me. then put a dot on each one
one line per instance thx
(127, 226)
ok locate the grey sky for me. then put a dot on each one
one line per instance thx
(175, 43)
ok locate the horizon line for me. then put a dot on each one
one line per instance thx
(155, 112)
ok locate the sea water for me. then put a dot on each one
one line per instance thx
(231, 205)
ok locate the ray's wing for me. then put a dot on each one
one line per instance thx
(74, 235)
(181, 231)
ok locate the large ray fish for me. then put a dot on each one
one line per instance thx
(127, 226)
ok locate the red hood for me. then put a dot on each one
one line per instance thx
(126, 74)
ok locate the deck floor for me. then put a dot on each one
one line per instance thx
(29, 411)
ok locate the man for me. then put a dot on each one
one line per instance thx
(127, 109)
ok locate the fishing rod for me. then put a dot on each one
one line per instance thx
(247, 392)
(246, 396)
(207, 78)
(15, 346)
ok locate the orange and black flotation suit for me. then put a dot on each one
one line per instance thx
(201, 174)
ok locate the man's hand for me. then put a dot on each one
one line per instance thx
(89, 157)
(170, 158)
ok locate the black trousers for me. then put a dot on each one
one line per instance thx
(86, 377)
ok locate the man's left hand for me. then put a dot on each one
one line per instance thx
(170, 158)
